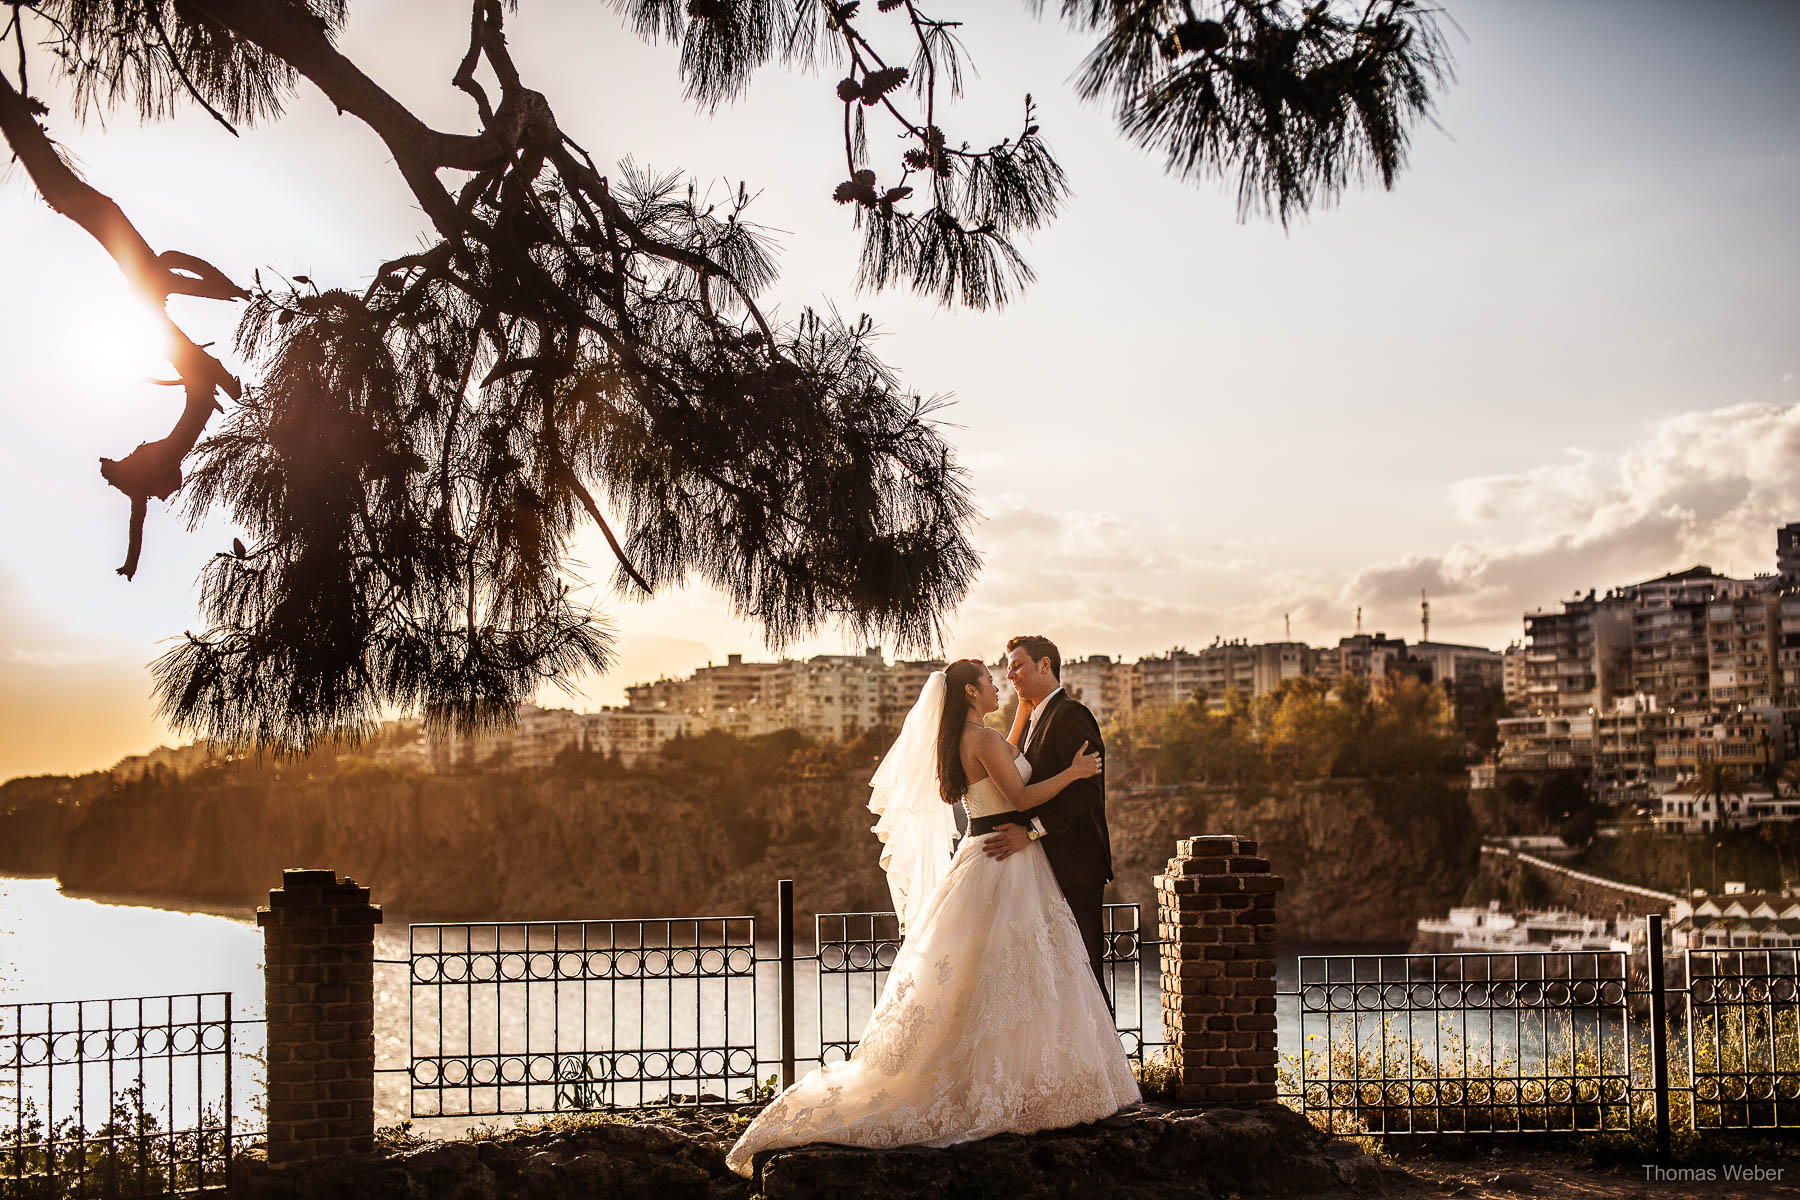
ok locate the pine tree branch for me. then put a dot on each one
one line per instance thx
(593, 511)
(154, 468)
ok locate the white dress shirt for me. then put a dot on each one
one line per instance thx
(1031, 728)
(1032, 720)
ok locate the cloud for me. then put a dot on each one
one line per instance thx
(1707, 486)
(1698, 487)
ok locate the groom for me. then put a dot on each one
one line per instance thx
(1072, 825)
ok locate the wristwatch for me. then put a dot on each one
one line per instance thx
(1033, 834)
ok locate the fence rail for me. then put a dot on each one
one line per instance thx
(123, 1097)
(136, 1096)
(1463, 1043)
(1389, 1044)
(546, 1016)
(1743, 1046)
(513, 1018)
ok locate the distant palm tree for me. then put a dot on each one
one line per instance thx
(1790, 777)
(1715, 781)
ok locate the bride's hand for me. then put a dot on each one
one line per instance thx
(1086, 765)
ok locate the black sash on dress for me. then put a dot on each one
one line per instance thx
(993, 821)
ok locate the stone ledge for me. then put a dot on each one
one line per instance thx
(1152, 1151)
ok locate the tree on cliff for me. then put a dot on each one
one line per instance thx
(1302, 731)
(412, 455)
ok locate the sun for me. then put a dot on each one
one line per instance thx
(121, 341)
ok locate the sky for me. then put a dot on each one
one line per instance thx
(1560, 354)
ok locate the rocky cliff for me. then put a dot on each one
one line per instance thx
(1362, 860)
(37, 814)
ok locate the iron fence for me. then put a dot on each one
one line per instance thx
(1572, 1041)
(530, 1017)
(125, 1097)
(514, 1018)
(543, 1017)
(1743, 1047)
(1462, 1043)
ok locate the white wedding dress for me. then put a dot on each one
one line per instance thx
(990, 1022)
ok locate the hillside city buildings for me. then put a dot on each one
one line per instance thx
(1632, 692)
(836, 698)
(1638, 688)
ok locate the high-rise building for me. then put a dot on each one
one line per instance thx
(1741, 636)
(1669, 655)
(1787, 554)
(1512, 673)
(1102, 683)
(1578, 659)
(1787, 650)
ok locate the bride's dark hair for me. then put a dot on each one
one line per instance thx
(953, 781)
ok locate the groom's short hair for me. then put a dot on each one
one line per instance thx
(1038, 646)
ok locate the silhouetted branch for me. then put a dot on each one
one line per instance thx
(416, 455)
(154, 468)
(593, 511)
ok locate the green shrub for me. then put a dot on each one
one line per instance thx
(130, 1154)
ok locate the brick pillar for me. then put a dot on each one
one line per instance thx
(319, 949)
(1216, 915)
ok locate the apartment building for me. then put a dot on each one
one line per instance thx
(1227, 667)
(1542, 743)
(1278, 662)
(1787, 554)
(1787, 648)
(1370, 657)
(1745, 741)
(1626, 738)
(830, 697)
(634, 736)
(1218, 671)
(1166, 679)
(1698, 583)
(1579, 658)
(901, 684)
(1448, 662)
(1741, 636)
(1669, 654)
(1106, 685)
(1512, 673)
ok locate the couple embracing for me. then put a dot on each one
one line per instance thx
(994, 1018)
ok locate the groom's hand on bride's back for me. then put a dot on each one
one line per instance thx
(1005, 841)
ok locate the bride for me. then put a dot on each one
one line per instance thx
(990, 1021)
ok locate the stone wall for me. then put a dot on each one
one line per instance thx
(1526, 880)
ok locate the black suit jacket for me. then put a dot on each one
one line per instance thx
(1076, 840)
